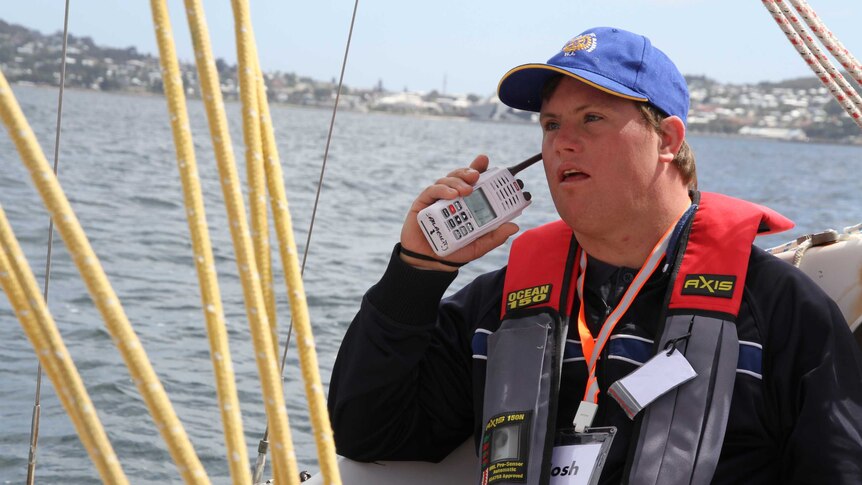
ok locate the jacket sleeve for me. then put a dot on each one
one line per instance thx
(816, 381)
(401, 386)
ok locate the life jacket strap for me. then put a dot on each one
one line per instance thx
(681, 433)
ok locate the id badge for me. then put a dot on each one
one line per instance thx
(578, 458)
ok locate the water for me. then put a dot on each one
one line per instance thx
(119, 172)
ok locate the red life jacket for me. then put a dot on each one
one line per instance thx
(713, 265)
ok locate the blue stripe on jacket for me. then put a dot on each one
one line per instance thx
(635, 350)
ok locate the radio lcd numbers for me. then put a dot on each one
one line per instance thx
(479, 206)
(449, 225)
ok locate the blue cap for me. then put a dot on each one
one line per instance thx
(613, 60)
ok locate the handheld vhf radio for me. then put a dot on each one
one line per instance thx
(497, 197)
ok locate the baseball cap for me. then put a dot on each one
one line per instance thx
(613, 60)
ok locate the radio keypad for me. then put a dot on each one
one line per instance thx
(458, 220)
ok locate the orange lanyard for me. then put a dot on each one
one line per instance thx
(592, 347)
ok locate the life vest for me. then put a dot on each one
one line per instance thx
(671, 445)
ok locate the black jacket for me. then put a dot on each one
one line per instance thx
(406, 385)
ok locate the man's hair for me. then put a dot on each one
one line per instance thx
(684, 159)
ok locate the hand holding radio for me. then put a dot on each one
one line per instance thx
(465, 214)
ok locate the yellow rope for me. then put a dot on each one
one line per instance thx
(100, 289)
(19, 284)
(284, 472)
(210, 295)
(296, 294)
(256, 181)
(284, 459)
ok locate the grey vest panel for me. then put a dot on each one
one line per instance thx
(522, 355)
(681, 433)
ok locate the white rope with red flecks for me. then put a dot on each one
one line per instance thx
(819, 63)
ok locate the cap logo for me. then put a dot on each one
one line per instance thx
(585, 42)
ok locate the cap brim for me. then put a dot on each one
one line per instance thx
(521, 87)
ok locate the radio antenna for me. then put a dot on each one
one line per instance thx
(526, 163)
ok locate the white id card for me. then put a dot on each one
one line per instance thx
(647, 383)
(578, 458)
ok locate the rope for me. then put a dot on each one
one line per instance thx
(284, 459)
(800, 252)
(100, 289)
(211, 300)
(329, 134)
(256, 181)
(795, 39)
(320, 419)
(20, 286)
(273, 394)
(818, 54)
(37, 407)
(296, 294)
(833, 45)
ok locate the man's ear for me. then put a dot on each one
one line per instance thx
(671, 137)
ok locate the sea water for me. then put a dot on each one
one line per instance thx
(118, 169)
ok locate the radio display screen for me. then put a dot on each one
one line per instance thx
(478, 204)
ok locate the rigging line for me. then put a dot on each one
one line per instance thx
(329, 137)
(317, 194)
(322, 169)
(34, 422)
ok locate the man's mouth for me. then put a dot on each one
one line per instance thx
(573, 175)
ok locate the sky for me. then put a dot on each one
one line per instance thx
(457, 46)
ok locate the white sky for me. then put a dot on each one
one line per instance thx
(470, 43)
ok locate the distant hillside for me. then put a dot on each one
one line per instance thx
(794, 109)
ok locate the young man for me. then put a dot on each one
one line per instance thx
(640, 263)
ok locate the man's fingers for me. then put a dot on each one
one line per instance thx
(435, 192)
(489, 241)
(449, 187)
(462, 186)
(480, 163)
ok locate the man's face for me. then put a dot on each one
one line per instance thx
(600, 157)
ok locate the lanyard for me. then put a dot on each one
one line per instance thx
(592, 347)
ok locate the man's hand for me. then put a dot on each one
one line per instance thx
(459, 182)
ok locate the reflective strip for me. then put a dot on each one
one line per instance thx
(632, 349)
(750, 360)
(628, 348)
(625, 359)
(479, 343)
(573, 351)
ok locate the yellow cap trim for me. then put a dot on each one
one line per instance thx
(567, 73)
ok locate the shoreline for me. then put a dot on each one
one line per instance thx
(276, 104)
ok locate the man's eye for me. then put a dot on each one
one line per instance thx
(590, 118)
(550, 126)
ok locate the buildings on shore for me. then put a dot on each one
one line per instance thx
(800, 109)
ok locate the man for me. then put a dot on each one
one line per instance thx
(641, 263)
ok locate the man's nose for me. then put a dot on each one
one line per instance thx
(568, 139)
